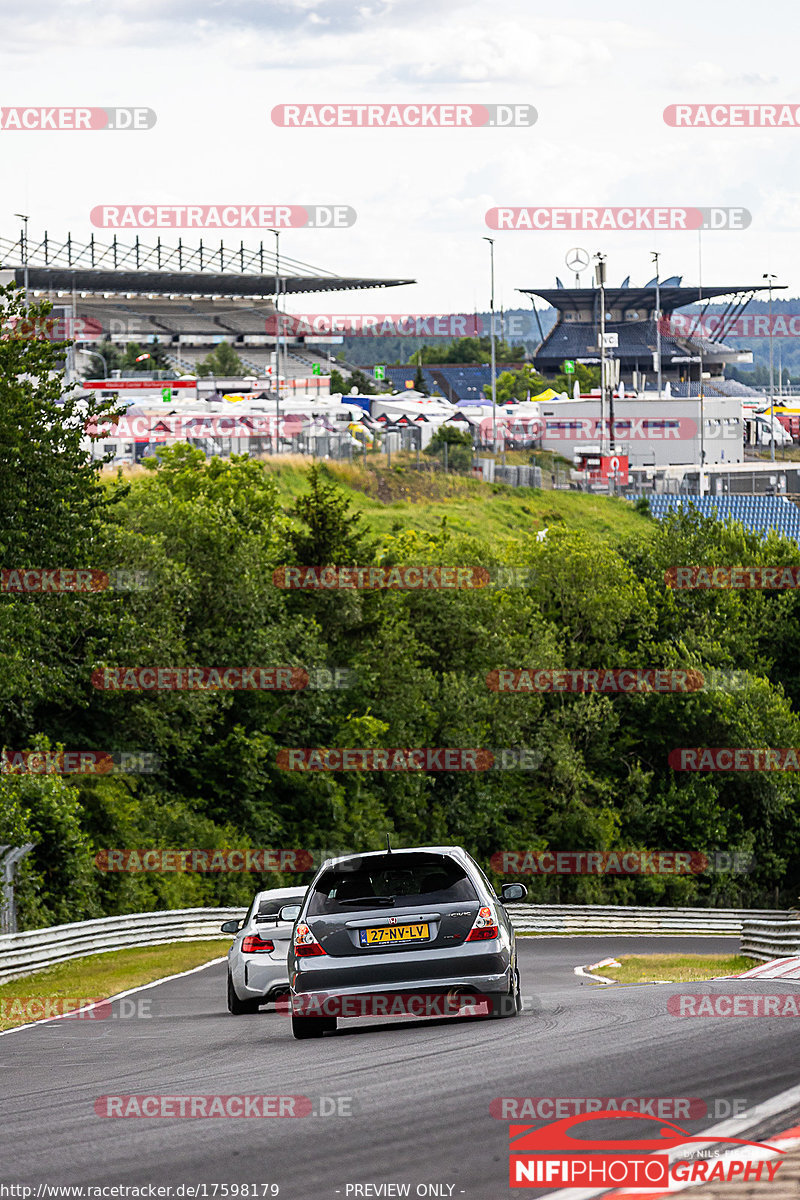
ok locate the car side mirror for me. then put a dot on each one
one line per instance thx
(290, 912)
(512, 891)
(231, 927)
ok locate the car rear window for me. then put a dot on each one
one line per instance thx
(392, 881)
(271, 908)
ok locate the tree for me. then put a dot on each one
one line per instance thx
(462, 350)
(587, 378)
(156, 359)
(420, 383)
(330, 532)
(469, 350)
(362, 383)
(114, 360)
(222, 360)
(50, 496)
(516, 385)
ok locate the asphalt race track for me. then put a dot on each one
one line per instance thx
(419, 1091)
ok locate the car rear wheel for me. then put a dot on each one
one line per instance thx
(312, 1027)
(239, 1007)
(509, 1004)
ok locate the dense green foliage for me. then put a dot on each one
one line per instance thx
(206, 539)
(222, 361)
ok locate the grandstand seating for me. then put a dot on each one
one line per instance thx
(462, 385)
(758, 514)
(397, 376)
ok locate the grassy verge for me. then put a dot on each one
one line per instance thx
(99, 976)
(399, 497)
(676, 968)
(403, 498)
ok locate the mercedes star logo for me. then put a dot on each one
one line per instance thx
(577, 259)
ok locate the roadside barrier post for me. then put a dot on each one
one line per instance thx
(9, 857)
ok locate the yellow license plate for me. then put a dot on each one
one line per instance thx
(383, 935)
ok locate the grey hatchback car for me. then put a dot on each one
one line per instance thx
(422, 921)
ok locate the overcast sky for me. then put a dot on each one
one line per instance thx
(213, 71)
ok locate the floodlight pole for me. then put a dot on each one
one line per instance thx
(23, 217)
(491, 335)
(770, 278)
(277, 233)
(600, 276)
(701, 480)
(654, 256)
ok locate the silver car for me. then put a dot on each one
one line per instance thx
(257, 971)
(418, 922)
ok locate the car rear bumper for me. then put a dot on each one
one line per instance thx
(261, 977)
(474, 968)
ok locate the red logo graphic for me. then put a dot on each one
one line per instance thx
(634, 1162)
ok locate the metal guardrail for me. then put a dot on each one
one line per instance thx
(770, 938)
(24, 953)
(617, 919)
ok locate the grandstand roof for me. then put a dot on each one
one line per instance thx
(580, 299)
(204, 270)
(185, 283)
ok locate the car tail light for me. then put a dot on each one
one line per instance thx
(483, 927)
(305, 944)
(253, 944)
